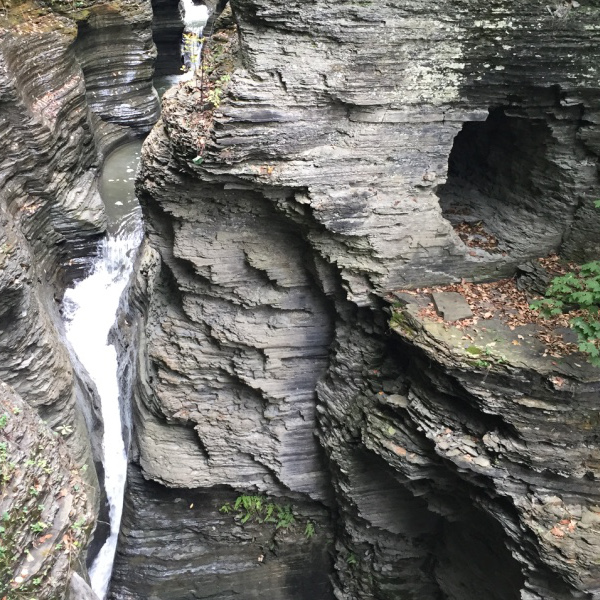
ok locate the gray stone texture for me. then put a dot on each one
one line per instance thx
(210, 555)
(350, 140)
(51, 215)
(451, 305)
(167, 29)
(46, 511)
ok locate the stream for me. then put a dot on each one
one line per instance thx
(90, 309)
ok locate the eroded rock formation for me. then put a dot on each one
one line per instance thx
(351, 138)
(66, 97)
(47, 513)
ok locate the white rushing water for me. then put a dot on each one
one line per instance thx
(195, 17)
(90, 309)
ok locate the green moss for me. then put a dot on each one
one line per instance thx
(399, 321)
(473, 350)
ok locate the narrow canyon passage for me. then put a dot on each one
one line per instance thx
(90, 309)
(91, 306)
(299, 360)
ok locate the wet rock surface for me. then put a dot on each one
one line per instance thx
(353, 145)
(186, 548)
(51, 215)
(167, 29)
(116, 52)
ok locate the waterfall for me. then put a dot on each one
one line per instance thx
(195, 17)
(90, 309)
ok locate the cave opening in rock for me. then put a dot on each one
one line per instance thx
(473, 560)
(513, 180)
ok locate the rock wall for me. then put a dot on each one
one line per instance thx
(56, 69)
(351, 140)
(167, 29)
(47, 513)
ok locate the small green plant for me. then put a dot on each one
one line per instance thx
(78, 525)
(192, 48)
(309, 530)
(352, 560)
(577, 291)
(3, 420)
(214, 96)
(38, 526)
(260, 510)
(482, 364)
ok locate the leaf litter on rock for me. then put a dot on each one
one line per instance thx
(504, 301)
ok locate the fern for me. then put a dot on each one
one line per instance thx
(258, 509)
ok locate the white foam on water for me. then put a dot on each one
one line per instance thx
(195, 16)
(90, 310)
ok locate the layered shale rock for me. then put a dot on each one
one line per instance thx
(51, 215)
(167, 29)
(33, 358)
(187, 548)
(116, 52)
(46, 511)
(50, 211)
(351, 146)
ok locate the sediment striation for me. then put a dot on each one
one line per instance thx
(283, 217)
(46, 511)
(61, 110)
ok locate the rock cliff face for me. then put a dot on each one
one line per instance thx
(352, 141)
(167, 29)
(46, 512)
(51, 215)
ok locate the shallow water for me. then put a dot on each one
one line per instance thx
(90, 309)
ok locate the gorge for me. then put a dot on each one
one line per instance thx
(333, 168)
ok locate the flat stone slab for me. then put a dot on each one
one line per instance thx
(452, 306)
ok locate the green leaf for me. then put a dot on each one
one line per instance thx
(590, 268)
(583, 298)
(245, 518)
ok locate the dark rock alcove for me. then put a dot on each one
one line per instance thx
(516, 180)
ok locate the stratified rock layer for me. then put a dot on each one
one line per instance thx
(211, 555)
(352, 139)
(46, 511)
(167, 29)
(115, 50)
(51, 215)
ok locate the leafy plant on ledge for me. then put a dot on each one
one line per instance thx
(581, 291)
(259, 509)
